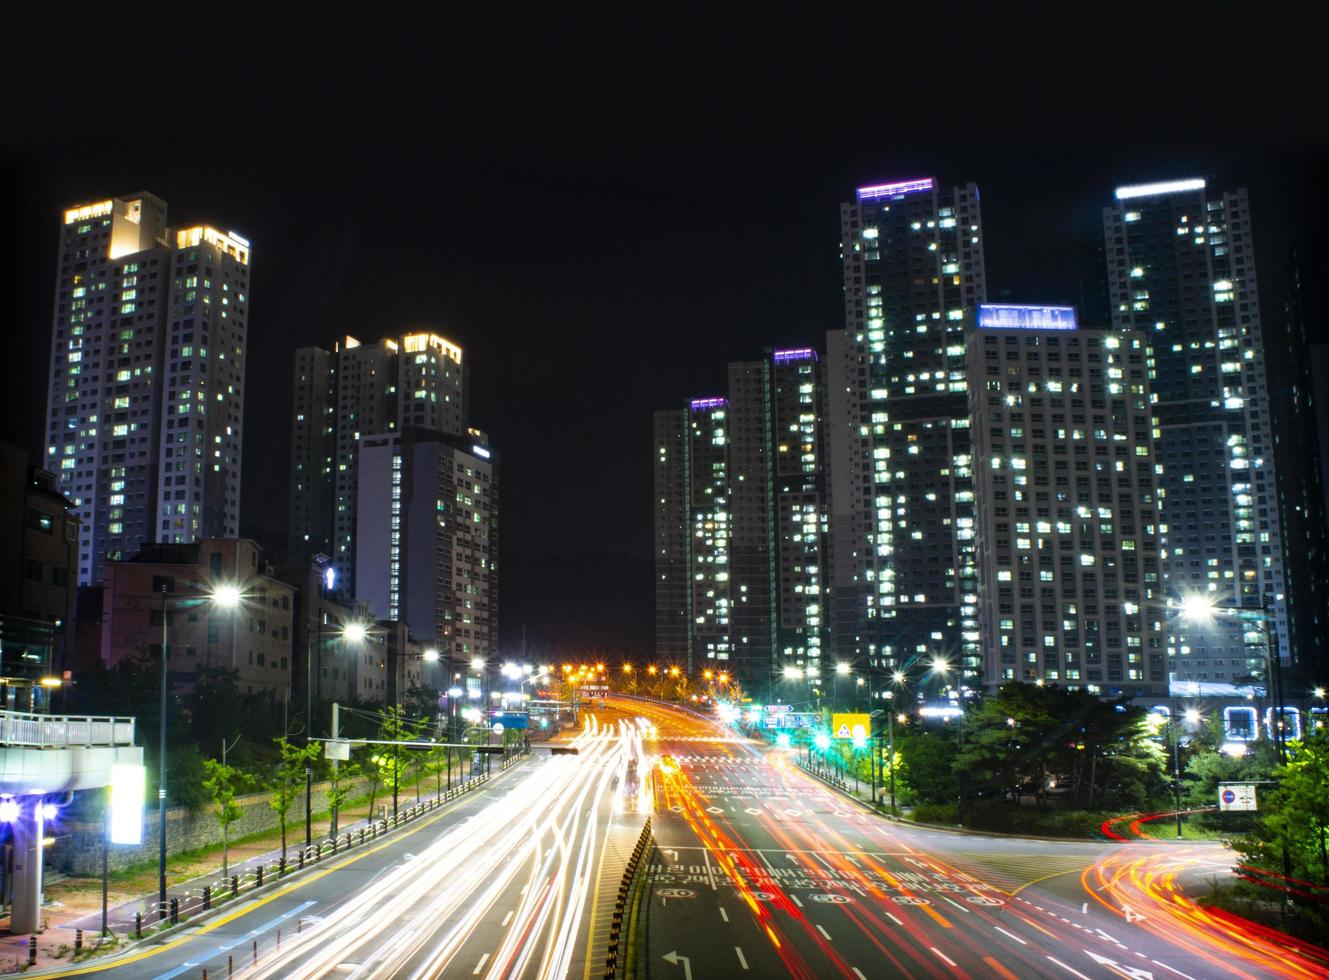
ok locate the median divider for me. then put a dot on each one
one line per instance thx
(627, 908)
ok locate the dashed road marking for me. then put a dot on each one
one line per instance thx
(480, 966)
(742, 960)
(822, 929)
(1011, 935)
(1067, 968)
(948, 959)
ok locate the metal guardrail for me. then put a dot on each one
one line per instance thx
(64, 731)
(626, 908)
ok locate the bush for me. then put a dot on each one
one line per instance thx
(934, 813)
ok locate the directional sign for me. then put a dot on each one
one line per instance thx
(510, 719)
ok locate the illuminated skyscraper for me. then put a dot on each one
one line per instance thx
(1181, 270)
(904, 580)
(343, 395)
(1069, 536)
(146, 392)
(741, 523)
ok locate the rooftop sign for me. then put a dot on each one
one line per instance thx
(795, 354)
(897, 189)
(703, 404)
(1013, 316)
(1162, 187)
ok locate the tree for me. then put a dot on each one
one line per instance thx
(394, 726)
(341, 779)
(289, 779)
(223, 783)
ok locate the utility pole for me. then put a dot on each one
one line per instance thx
(336, 733)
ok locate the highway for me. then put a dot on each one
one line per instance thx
(764, 871)
(504, 883)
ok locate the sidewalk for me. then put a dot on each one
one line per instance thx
(75, 902)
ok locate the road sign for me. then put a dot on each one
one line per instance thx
(851, 725)
(509, 719)
(1237, 796)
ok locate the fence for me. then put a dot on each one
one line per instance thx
(64, 731)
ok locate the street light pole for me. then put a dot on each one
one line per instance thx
(309, 720)
(1176, 763)
(161, 781)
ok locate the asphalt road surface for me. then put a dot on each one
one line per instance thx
(504, 882)
(763, 871)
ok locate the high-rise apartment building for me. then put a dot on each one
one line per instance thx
(427, 507)
(1069, 537)
(904, 574)
(146, 393)
(1181, 270)
(344, 394)
(741, 523)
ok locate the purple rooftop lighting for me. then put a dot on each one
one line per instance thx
(795, 354)
(702, 404)
(1016, 316)
(897, 189)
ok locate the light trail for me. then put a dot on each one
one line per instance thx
(417, 919)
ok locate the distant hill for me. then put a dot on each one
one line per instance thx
(576, 605)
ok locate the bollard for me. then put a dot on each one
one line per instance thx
(334, 845)
(138, 925)
(281, 867)
(32, 951)
(78, 939)
(230, 965)
(362, 835)
(279, 939)
(260, 877)
(175, 911)
(205, 973)
(207, 897)
(255, 950)
(235, 885)
(302, 858)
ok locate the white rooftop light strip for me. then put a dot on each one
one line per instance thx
(1163, 187)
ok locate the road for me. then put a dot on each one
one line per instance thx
(515, 880)
(764, 871)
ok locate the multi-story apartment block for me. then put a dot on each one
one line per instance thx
(1181, 270)
(904, 568)
(1069, 536)
(347, 393)
(146, 385)
(741, 523)
(253, 639)
(427, 508)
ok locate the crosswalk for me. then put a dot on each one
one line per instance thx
(1012, 872)
(718, 760)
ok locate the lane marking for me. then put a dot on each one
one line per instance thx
(742, 961)
(1011, 935)
(483, 959)
(858, 973)
(892, 917)
(1067, 968)
(822, 929)
(795, 898)
(956, 904)
(723, 914)
(951, 961)
(506, 919)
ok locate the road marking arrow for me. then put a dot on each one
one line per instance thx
(1131, 916)
(673, 957)
(1135, 973)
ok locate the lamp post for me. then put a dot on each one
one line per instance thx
(226, 596)
(349, 632)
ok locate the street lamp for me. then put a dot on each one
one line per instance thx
(1201, 609)
(224, 596)
(352, 633)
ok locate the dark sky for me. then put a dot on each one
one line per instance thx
(604, 209)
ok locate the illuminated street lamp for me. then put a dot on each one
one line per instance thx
(353, 633)
(224, 596)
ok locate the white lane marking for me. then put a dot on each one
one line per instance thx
(956, 904)
(1173, 969)
(1084, 908)
(484, 959)
(795, 898)
(742, 960)
(894, 919)
(723, 914)
(506, 919)
(1067, 968)
(948, 959)
(858, 973)
(1011, 935)
(825, 935)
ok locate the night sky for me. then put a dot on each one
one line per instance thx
(603, 210)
